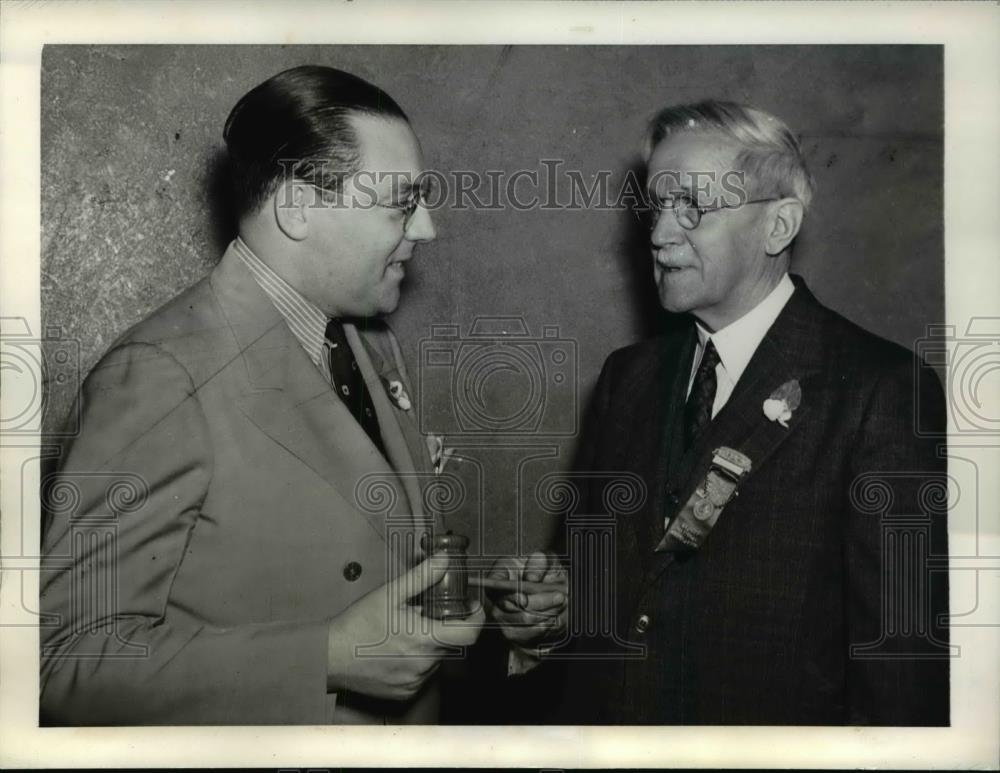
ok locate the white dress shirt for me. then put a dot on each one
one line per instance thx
(737, 342)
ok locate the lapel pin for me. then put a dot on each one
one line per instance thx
(783, 402)
(398, 394)
(439, 454)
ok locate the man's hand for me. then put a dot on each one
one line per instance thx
(534, 618)
(404, 648)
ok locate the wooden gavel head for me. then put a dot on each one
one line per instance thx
(450, 597)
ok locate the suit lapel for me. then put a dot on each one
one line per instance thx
(741, 424)
(788, 351)
(290, 401)
(647, 433)
(395, 367)
(670, 394)
(393, 421)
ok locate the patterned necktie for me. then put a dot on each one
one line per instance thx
(698, 411)
(350, 384)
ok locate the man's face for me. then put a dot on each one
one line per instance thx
(357, 248)
(714, 271)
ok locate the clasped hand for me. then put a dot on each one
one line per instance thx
(537, 617)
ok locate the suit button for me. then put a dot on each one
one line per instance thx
(674, 499)
(352, 571)
(642, 624)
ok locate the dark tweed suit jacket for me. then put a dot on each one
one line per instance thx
(818, 597)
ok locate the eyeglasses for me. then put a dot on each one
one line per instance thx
(685, 209)
(417, 197)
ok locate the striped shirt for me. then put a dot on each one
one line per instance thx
(306, 321)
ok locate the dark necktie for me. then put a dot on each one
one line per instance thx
(698, 410)
(350, 384)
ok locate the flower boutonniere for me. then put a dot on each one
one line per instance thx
(783, 401)
(397, 393)
(439, 454)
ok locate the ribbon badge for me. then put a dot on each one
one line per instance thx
(691, 526)
(783, 401)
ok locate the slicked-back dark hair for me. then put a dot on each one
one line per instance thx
(300, 119)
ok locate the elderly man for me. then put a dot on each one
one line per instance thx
(216, 561)
(787, 564)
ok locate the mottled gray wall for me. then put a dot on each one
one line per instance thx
(132, 212)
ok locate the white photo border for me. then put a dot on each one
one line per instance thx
(972, 238)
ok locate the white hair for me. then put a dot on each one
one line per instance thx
(771, 155)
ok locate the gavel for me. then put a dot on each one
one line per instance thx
(449, 598)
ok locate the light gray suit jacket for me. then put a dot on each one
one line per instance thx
(213, 514)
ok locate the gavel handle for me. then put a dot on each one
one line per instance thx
(516, 586)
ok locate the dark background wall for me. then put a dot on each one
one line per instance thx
(132, 210)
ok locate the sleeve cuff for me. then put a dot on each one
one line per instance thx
(521, 660)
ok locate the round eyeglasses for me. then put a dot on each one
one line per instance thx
(686, 210)
(416, 197)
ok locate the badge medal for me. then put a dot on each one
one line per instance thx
(692, 525)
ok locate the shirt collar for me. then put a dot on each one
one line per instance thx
(304, 318)
(737, 342)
